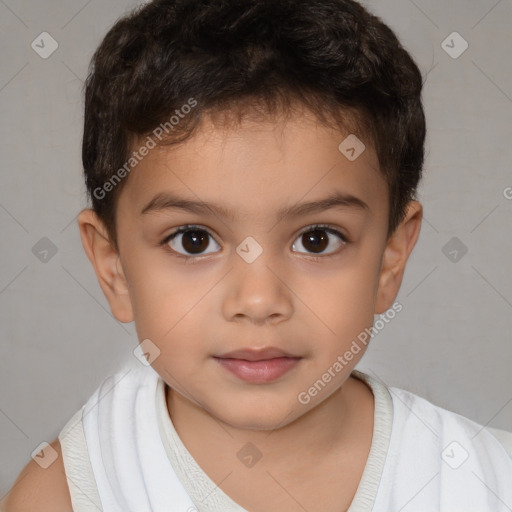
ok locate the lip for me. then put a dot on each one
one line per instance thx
(258, 366)
(253, 354)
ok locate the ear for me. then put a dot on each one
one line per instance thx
(396, 253)
(107, 264)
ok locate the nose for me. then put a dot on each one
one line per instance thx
(258, 292)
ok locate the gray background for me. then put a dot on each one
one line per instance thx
(450, 344)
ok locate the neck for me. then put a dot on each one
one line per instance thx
(331, 423)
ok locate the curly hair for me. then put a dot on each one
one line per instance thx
(247, 57)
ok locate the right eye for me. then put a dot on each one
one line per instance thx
(193, 239)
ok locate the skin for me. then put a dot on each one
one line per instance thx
(312, 309)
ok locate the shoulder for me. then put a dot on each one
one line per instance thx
(41, 490)
(419, 418)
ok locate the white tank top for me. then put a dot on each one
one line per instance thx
(122, 454)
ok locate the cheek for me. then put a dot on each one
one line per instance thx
(163, 297)
(345, 307)
(342, 299)
(171, 308)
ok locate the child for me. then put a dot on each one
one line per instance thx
(253, 168)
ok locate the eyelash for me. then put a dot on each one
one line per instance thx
(193, 259)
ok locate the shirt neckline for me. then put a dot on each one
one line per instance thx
(208, 497)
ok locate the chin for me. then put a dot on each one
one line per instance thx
(256, 417)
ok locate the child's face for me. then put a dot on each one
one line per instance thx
(226, 297)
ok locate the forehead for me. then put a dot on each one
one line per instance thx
(257, 166)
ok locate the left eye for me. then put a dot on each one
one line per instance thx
(316, 239)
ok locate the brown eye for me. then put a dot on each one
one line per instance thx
(194, 241)
(317, 239)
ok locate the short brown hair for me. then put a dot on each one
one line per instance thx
(236, 56)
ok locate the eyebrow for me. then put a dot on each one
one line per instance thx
(168, 201)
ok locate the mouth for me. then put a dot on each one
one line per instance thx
(258, 366)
